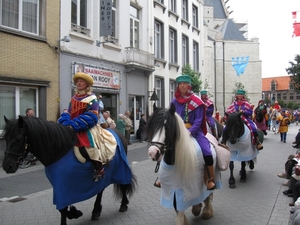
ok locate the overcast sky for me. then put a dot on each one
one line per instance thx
(270, 21)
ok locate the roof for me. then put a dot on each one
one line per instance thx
(231, 31)
(219, 12)
(208, 3)
(282, 83)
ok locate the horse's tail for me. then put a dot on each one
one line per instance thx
(125, 189)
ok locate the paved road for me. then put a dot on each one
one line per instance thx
(259, 201)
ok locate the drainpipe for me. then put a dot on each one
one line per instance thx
(215, 75)
(223, 75)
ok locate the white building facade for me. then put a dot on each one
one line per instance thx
(120, 63)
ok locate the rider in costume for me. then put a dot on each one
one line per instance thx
(83, 115)
(242, 105)
(209, 112)
(192, 110)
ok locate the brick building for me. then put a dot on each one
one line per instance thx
(29, 59)
(279, 88)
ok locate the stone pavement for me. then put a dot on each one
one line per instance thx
(259, 201)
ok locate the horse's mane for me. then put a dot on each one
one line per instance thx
(234, 119)
(234, 125)
(45, 138)
(178, 139)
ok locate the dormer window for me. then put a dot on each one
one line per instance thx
(273, 85)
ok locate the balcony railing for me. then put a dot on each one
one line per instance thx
(79, 29)
(137, 58)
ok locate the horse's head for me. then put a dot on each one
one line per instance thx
(161, 130)
(234, 128)
(16, 144)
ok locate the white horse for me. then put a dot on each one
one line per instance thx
(182, 166)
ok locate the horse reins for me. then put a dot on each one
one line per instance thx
(24, 152)
(162, 149)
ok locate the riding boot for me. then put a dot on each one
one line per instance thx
(98, 170)
(209, 174)
(213, 130)
(259, 146)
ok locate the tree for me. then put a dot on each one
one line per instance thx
(292, 105)
(206, 85)
(196, 82)
(294, 72)
(237, 86)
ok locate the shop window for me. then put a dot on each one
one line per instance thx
(15, 100)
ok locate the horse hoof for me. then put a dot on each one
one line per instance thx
(243, 180)
(251, 165)
(73, 213)
(206, 214)
(96, 212)
(196, 209)
(95, 215)
(232, 186)
(123, 208)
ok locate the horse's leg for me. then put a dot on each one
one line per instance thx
(125, 201)
(208, 210)
(181, 218)
(196, 209)
(63, 214)
(97, 206)
(243, 172)
(251, 164)
(231, 178)
(73, 213)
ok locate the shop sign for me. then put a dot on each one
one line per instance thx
(102, 78)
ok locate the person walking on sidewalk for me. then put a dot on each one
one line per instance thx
(128, 127)
(120, 125)
(284, 122)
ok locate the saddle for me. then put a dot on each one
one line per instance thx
(104, 148)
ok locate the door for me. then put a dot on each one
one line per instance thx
(136, 107)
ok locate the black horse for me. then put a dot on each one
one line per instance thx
(72, 181)
(237, 136)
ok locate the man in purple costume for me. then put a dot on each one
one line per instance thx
(192, 110)
(209, 112)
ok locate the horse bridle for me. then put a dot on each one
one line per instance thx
(23, 153)
(162, 149)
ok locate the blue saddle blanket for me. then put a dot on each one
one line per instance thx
(72, 181)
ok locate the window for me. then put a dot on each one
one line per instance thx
(23, 15)
(195, 56)
(291, 86)
(195, 16)
(284, 96)
(278, 96)
(172, 90)
(134, 27)
(172, 5)
(158, 89)
(273, 85)
(158, 40)
(185, 50)
(15, 100)
(291, 96)
(298, 96)
(185, 10)
(79, 12)
(172, 46)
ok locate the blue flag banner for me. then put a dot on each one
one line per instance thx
(239, 64)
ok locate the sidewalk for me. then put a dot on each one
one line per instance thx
(259, 201)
